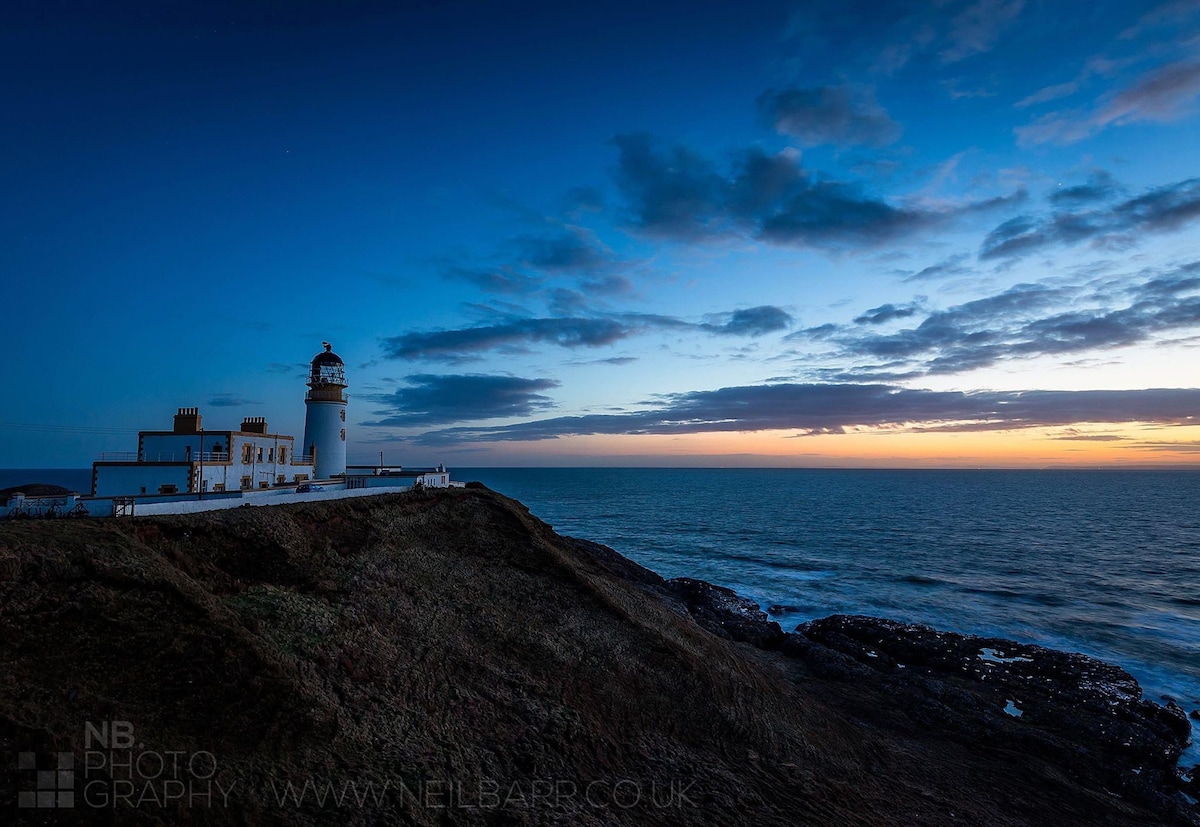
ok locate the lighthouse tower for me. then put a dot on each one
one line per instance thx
(325, 417)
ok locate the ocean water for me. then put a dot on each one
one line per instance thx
(1101, 562)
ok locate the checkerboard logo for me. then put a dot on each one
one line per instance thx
(55, 788)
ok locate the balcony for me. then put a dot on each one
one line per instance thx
(174, 456)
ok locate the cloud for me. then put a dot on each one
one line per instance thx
(676, 194)
(1100, 187)
(977, 27)
(1169, 447)
(835, 408)
(573, 249)
(456, 344)
(1161, 94)
(958, 93)
(1049, 93)
(952, 266)
(1028, 320)
(228, 400)
(753, 321)
(840, 115)
(571, 332)
(288, 367)
(1162, 209)
(611, 360)
(501, 280)
(442, 399)
(886, 313)
(1165, 93)
(611, 284)
(1092, 438)
(1168, 14)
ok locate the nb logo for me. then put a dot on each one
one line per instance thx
(55, 787)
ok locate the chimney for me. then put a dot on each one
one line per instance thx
(254, 425)
(187, 421)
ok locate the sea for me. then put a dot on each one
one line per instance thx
(1106, 563)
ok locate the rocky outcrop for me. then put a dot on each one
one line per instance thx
(1078, 712)
(444, 657)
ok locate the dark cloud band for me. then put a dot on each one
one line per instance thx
(833, 408)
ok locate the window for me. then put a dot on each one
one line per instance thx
(280, 480)
(270, 455)
(343, 434)
(246, 483)
(343, 413)
(168, 489)
(218, 486)
(260, 455)
(301, 477)
(264, 484)
(282, 455)
(247, 453)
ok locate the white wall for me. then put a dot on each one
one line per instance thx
(324, 426)
(262, 498)
(120, 480)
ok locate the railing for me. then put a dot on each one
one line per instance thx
(146, 456)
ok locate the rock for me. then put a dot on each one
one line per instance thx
(1195, 715)
(1075, 709)
(724, 612)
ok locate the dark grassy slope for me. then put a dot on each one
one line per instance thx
(451, 637)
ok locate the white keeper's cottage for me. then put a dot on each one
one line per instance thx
(188, 459)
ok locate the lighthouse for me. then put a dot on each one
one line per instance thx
(325, 415)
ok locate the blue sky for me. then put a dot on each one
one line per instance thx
(843, 233)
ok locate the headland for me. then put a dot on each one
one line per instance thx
(442, 656)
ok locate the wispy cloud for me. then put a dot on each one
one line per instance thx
(229, 400)
(1100, 186)
(573, 332)
(570, 250)
(1162, 209)
(1049, 93)
(429, 399)
(976, 28)
(503, 280)
(1162, 94)
(1054, 318)
(951, 266)
(841, 115)
(456, 344)
(886, 313)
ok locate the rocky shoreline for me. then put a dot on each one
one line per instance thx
(430, 641)
(1068, 708)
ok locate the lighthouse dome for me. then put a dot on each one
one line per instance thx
(328, 369)
(327, 357)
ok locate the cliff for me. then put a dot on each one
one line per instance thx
(445, 658)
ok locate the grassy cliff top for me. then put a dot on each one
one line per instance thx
(410, 643)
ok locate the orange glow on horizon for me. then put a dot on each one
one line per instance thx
(1131, 445)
